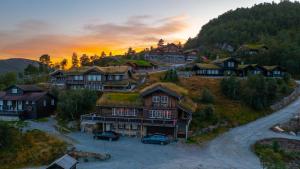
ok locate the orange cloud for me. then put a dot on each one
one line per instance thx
(137, 32)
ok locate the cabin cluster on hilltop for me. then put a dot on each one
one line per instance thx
(232, 66)
(171, 53)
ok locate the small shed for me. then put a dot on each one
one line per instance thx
(64, 162)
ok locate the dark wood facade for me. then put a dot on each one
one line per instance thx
(232, 66)
(25, 102)
(159, 112)
(111, 78)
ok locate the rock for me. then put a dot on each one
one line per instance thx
(278, 129)
(72, 124)
(292, 133)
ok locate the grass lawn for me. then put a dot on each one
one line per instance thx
(275, 154)
(45, 119)
(33, 148)
(17, 124)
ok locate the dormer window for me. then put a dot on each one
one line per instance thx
(52, 102)
(14, 91)
(230, 64)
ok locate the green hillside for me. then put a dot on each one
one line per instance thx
(276, 26)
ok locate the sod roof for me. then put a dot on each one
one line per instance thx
(142, 63)
(106, 70)
(120, 99)
(207, 66)
(168, 87)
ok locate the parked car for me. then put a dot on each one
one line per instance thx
(156, 139)
(107, 135)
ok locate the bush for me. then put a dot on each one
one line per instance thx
(74, 103)
(231, 87)
(207, 96)
(204, 116)
(170, 76)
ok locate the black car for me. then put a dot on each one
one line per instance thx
(156, 139)
(107, 135)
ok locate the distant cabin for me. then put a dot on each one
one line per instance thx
(232, 66)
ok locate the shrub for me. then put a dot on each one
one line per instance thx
(231, 87)
(207, 96)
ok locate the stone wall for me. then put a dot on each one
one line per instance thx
(286, 100)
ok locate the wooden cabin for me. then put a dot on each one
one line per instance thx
(159, 108)
(206, 69)
(110, 78)
(229, 65)
(25, 102)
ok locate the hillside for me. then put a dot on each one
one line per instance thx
(15, 64)
(273, 25)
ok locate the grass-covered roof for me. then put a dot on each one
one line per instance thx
(169, 86)
(207, 66)
(142, 63)
(120, 99)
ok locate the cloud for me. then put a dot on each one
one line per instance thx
(137, 31)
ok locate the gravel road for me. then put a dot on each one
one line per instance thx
(232, 150)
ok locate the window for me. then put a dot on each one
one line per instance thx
(52, 102)
(121, 126)
(156, 99)
(32, 102)
(9, 105)
(14, 90)
(1, 104)
(134, 127)
(78, 77)
(110, 77)
(45, 103)
(164, 101)
(127, 126)
(94, 77)
(117, 77)
(230, 64)
(27, 102)
(160, 114)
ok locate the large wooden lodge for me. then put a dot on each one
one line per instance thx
(232, 66)
(159, 108)
(110, 78)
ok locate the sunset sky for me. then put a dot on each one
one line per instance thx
(30, 28)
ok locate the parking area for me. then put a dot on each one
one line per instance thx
(130, 153)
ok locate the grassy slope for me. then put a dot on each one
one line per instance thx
(272, 157)
(234, 112)
(33, 148)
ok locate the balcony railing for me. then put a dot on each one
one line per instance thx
(9, 113)
(159, 122)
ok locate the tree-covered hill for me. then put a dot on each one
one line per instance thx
(275, 26)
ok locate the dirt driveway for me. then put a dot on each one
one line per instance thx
(232, 150)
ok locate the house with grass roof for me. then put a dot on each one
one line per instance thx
(232, 66)
(110, 78)
(159, 108)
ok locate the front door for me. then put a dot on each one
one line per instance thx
(107, 127)
(20, 107)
